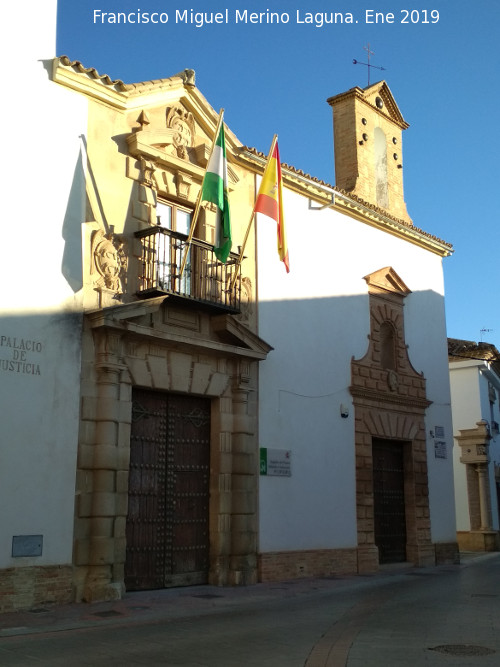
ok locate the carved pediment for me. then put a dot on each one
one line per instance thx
(377, 96)
(386, 280)
(231, 331)
(175, 148)
(234, 338)
(381, 91)
(113, 315)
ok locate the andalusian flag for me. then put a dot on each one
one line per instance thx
(270, 201)
(215, 190)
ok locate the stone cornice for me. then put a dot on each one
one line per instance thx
(411, 403)
(72, 74)
(227, 324)
(474, 443)
(118, 319)
(87, 80)
(124, 311)
(140, 147)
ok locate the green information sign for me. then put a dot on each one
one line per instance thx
(275, 462)
(263, 460)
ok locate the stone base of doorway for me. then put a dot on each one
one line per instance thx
(285, 565)
(478, 540)
(102, 592)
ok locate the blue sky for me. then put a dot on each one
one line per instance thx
(275, 78)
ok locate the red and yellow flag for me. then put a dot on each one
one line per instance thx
(270, 201)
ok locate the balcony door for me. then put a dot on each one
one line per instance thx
(167, 524)
(170, 254)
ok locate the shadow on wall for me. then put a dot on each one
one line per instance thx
(314, 340)
(72, 262)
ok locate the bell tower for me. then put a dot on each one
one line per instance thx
(368, 128)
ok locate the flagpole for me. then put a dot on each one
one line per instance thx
(240, 259)
(198, 201)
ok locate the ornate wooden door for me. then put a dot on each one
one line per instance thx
(389, 500)
(167, 522)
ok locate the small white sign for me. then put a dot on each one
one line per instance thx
(440, 449)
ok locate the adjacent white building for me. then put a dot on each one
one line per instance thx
(361, 278)
(475, 391)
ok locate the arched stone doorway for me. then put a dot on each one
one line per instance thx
(390, 401)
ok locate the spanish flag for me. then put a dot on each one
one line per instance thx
(270, 200)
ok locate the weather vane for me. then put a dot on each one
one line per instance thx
(368, 65)
(483, 331)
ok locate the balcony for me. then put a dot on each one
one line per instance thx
(205, 281)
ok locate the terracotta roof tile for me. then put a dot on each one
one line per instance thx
(468, 349)
(92, 72)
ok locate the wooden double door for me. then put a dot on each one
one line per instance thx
(168, 499)
(389, 500)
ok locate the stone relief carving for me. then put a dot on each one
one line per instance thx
(188, 76)
(182, 123)
(109, 261)
(392, 380)
(246, 305)
(148, 169)
(183, 182)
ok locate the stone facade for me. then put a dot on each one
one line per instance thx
(189, 346)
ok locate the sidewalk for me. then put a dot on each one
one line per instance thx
(150, 606)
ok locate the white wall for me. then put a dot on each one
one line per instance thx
(428, 350)
(43, 206)
(317, 318)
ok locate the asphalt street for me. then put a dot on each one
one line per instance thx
(448, 615)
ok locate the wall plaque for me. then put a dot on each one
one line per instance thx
(275, 462)
(27, 545)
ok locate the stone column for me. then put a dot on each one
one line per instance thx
(221, 491)
(107, 505)
(483, 482)
(243, 561)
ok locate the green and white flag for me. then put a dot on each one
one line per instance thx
(215, 190)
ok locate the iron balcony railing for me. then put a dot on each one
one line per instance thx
(204, 280)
